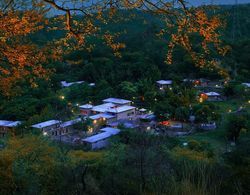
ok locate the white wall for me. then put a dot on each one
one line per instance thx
(124, 115)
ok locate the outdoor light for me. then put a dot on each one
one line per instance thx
(249, 101)
(62, 97)
(45, 133)
(77, 104)
(229, 110)
(90, 129)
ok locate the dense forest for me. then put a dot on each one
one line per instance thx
(136, 162)
(142, 62)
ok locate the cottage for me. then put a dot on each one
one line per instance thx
(142, 111)
(164, 84)
(85, 109)
(213, 96)
(118, 101)
(100, 140)
(6, 126)
(66, 84)
(48, 127)
(67, 127)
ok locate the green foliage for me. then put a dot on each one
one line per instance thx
(239, 163)
(32, 165)
(127, 90)
(163, 110)
(235, 124)
(175, 103)
(182, 113)
(205, 113)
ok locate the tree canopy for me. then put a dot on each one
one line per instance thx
(22, 59)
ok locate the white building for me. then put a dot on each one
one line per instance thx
(100, 140)
(6, 126)
(102, 108)
(48, 127)
(164, 84)
(57, 128)
(213, 96)
(86, 109)
(66, 84)
(142, 111)
(118, 101)
(67, 127)
(112, 110)
(123, 112)
(103, 117)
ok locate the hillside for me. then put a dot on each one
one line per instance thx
(99, 121)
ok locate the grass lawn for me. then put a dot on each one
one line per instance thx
(233, 105)
(217, 138)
